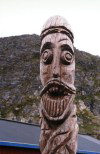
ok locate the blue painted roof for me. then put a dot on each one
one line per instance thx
(12, 131)
(33, 146)
(21, 145)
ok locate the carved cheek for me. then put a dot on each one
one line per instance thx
(45, 73)
(67, 75)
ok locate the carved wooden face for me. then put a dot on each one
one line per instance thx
(57, 71)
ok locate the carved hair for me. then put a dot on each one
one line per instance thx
(57, 24)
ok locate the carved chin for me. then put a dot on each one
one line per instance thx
(55, 102)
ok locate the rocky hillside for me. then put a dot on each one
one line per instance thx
(20, 83)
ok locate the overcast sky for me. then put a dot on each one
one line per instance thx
(19, 17)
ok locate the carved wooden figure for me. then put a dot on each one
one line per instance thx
(59, 127)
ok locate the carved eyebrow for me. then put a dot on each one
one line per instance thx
(47, 45)
(64, 39)
(67, 47)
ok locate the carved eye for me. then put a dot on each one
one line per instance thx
(47, 57)
(66, 57)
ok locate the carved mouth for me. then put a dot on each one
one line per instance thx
(56, 90)
(55, 98)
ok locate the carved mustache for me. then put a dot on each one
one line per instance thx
(60, 84)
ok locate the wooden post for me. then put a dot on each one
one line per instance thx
(59, 127)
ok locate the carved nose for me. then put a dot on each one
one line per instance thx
(56, 72)
(55, 75)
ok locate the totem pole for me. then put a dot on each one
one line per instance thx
(58, 118)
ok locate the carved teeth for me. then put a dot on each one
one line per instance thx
(60, 90)
(59, 107)
(52, 108)
(50, 90)
(65, 93)
(48, 105)
(55, 107)
(53, 111)
(55, 90)
(62, 107)
(47, 92)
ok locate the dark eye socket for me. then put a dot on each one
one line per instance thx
(66, 57)
(47, 56)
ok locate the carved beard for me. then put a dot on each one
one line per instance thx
(56, 100)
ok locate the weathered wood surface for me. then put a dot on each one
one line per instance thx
(57, 72)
